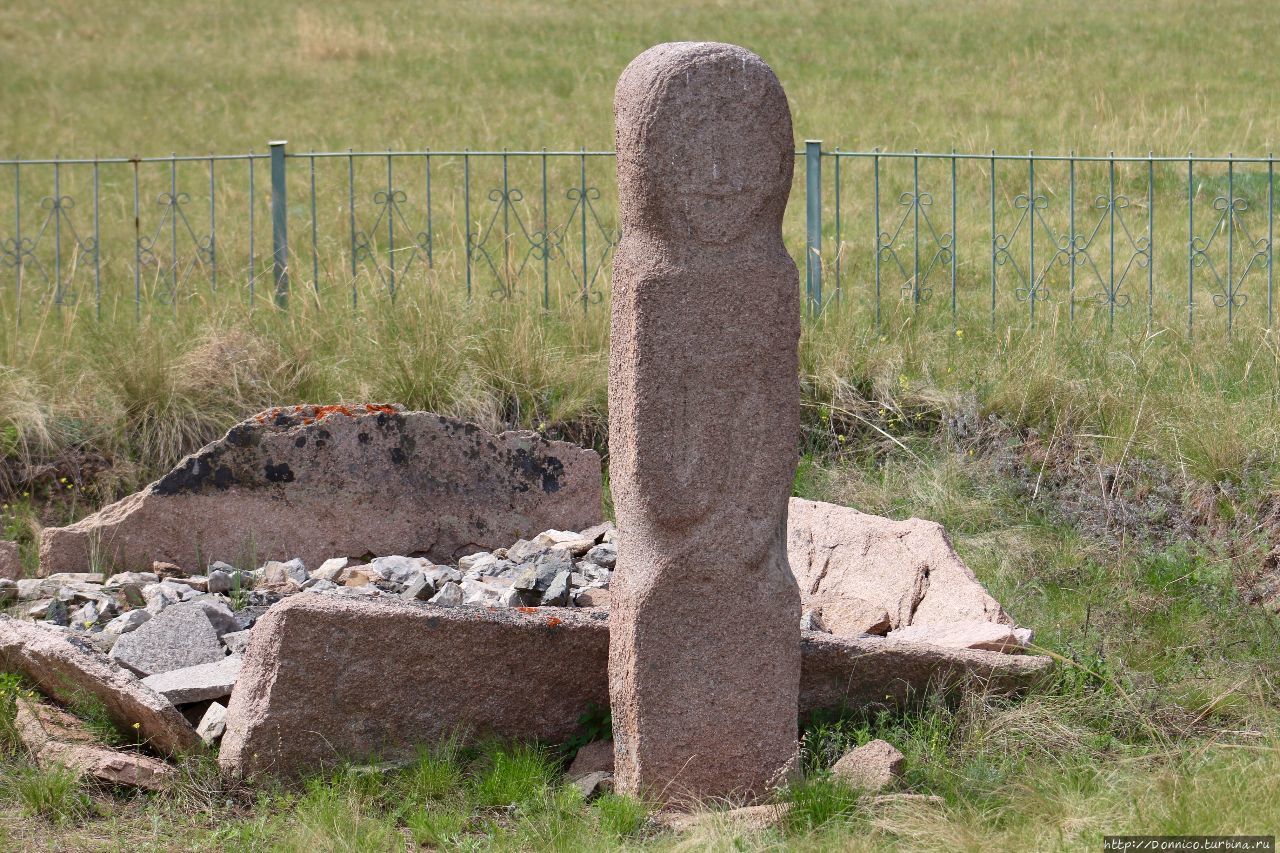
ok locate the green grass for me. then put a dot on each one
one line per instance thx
(1115, 490)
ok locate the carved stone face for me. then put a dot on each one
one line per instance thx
(717, 151)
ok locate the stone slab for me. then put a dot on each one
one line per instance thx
(197, 683)
(328, 679)
(316, 482)
(66, 670)
(54, 737)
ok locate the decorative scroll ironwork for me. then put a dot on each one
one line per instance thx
(21, 253)
(1229, 225)
(174, 220)
(390, 203)
(939, 251)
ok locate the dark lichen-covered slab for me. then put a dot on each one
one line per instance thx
(333, 481)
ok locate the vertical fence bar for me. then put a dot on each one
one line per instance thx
(391, 232)
(17, 241)
(875, 208)
(97, 246)
(546, 240)
(1231, 241)
(279, 224)
(1191, 245)
(508, 285)
(1151, 238)
(213, 233)
(57, 236)
(955, 237)
(466, 213)
(813, 223)
(431, 235)
(252, 283)
(173, 228)
(1111, 238)
(315, 234)
(839, 232)
(1271, 210)
(137, 247)
(994, 237)
(915, 229)
(1031, 232)
(351, 213)
(582, 185)
(1071, 243)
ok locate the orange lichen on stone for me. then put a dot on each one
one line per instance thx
(554, 621)
(527, 609)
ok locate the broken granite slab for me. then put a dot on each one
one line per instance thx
(866, 574)
(197, 683)
(68, 670)
(310, 692)
(181, 636)
(54, 737)
(315, 482)
(10, 561)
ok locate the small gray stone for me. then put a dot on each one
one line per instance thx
(85, 617)
(525, 551)
(594, 784)
(96, 578)
(538, 577)
(605, 556)
(476, 561)
(220, 566)
(8, 590)
(213, 724)
(224, 621)
(56, 613)
(220, 580)
(275, 573)
(236, 642)
(811, 620)
(557, 594)
(450, 593)
(401, 570)
(126, 622)
(315, 584)
(421, 589)
(178, 637)
(330, 569)
(197, 683)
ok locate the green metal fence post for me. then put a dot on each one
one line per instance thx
(813, 223)
(279, 224)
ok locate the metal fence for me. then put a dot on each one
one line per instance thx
(971, 238)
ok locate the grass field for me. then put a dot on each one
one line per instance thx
(1116, 491)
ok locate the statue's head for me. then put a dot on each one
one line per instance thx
(704, 142)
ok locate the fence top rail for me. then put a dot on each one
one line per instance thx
(875, 153)
(94, 161)
(1063, 158)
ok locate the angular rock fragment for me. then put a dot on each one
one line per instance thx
(865, 574)
(10, 561)
(68, 671)
(595, 757)
(54, 737)
(213, 724)
(872, 766)
(314, 481)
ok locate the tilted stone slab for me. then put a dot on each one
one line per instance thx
(328, 679)
(869, 574)
(54, 737)
(844, 672)
(67, 671)
(330, 481)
